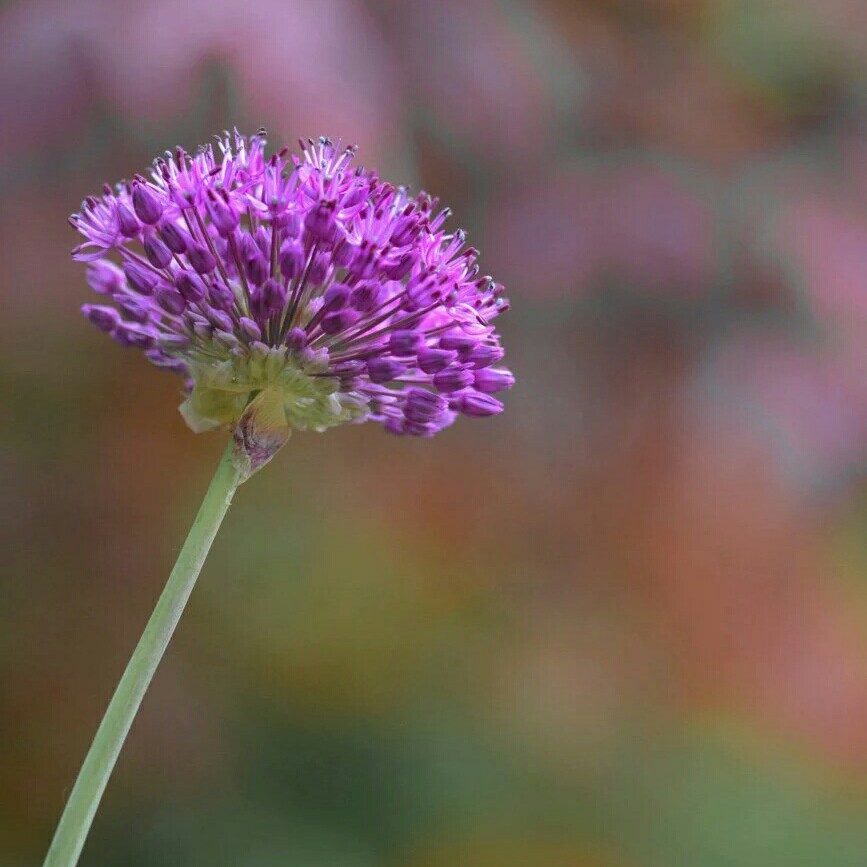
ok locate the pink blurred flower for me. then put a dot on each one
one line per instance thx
(808, 404)
(854, 153)
(310, 68)
(659, 231)
(634, 225)
(822, 234)
(545, 237)
(842, 22)
(741, 575)
(478, 74)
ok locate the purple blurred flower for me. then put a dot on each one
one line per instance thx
(490, 84)
(299, 277)
(821, 235)
(808, 403)
(61, 63)
(626, 224)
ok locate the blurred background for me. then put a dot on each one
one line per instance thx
(623, 624)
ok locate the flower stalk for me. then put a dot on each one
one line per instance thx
(94, 774)
(290, 292)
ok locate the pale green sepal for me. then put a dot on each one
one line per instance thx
(260, 433)
(223, 391)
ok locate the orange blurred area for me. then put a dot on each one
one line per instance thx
(624, 624)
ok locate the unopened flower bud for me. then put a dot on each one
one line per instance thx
(146, 203)
(104, 318)
(201, 258)
(156, 250)
(452, 379)
(490, 380)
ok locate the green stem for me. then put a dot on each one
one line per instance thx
(87, 791)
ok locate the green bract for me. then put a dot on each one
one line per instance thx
(297, 392)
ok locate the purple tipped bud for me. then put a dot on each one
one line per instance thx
(221, 250)
(422, 405)
(190, 286)
(459, 341)
(384, 369)
(434, 360)
(493, 379)
(221, 296)
(257, 305)
(420, 429)
(482, 355)
(201, 258)
(248, 248)
(366, 295)
(104, 318)
(129, 225)
(343, 254)
(166, 362)
(394, 425)
(227, 339)
(134, 308)
(147, 205)
(291, 224)
(140, 278)
(291, 259)
(204, 330)
(348, 369)
(404, 342)
(257, 269)
(222, 214)
(263, 241)
(421, 291)
(336, 297)
(473, 403)
(355, 197)
(348, 377)
(273, 295)
(319, 269)
(296, 339)
(219, 319)
(320, 222)
(170, 300)
(452, 379)
(174, 342)
(134, 335)
(175, 238)
(348, 382)
(255, 264)
(405, 231)
(156, 250)
(364, 261)
(249, 328)
(399, 269)
(104, 277)
(334, 323)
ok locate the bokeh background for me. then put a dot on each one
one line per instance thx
(623, 624)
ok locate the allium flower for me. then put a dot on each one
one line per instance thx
(289, 292)
(294, 292)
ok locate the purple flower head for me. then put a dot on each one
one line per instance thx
(297, 279)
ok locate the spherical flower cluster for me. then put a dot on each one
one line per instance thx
(299, 284)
